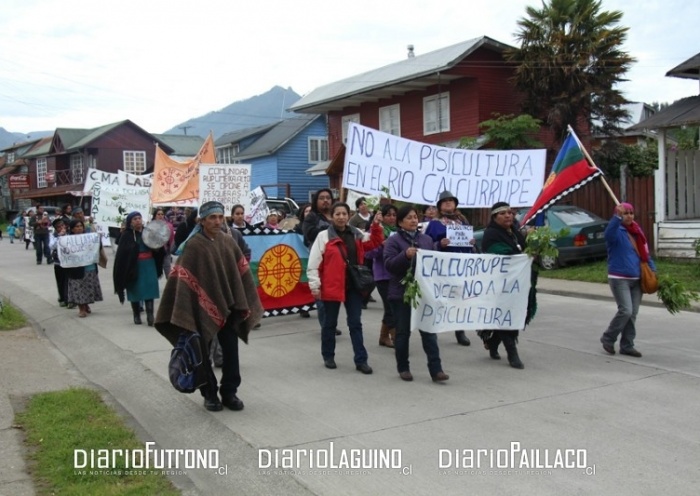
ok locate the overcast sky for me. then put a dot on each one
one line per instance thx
(85, 63)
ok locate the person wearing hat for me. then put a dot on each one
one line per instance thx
(211, 291)
(437, 229)
(137, 269)
(501, 237)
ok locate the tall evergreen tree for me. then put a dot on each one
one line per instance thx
(568, 64)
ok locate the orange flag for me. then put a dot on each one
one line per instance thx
(175, 181)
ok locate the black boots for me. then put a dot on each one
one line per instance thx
(511, 348)
(137, 313)
(149, 312)
(462, 338)
(493, 343)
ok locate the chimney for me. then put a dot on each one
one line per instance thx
(410, 52)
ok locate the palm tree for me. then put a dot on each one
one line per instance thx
(568, 64)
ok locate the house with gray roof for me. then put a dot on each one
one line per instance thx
(279, 154)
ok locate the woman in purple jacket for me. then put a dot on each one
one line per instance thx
(387, 334)
(399, 258)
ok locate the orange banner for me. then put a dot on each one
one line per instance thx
(175, 181)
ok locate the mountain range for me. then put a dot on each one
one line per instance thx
(252, 112)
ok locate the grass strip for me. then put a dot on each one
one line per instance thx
(687, 272)
(10, 317)
(56, 423)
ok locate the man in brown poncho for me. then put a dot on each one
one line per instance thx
(211, 290)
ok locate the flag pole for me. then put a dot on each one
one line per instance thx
(590, 160)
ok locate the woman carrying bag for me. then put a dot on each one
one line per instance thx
(627, 250)
(332, 251)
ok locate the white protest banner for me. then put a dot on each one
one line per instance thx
(114, 197)
(417, 172)
(258, 211)
(459, 234)
(228, 184)
(119, 179)
(103, 232)
(78, 250)
(463, 291)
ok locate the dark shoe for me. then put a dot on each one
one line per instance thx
(330, 364)
(462, 338)
(39, 262)
(70, 306)
(257, 326)
(213, 404)
(338, 332)
(136, 312)
(632, 353)
(440, 377)
(304, 314)
(62, 304)
(364, 368)
(372, 300)
(149, 312)
(608, 347)
(406, 375)
(493, 353)
(232, 402)
(364, 306)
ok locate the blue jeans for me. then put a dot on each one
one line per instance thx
(628, 296)
(402, 314)
(353, 308)
(42, 247)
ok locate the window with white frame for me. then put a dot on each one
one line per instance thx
(225, 155)
(10, 157)
(41, 170)
(76, 168)
(345, 121)
(390, 119)
(436, 113)
(318, 149)
(134, 162)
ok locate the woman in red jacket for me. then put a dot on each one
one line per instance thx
(332, 250)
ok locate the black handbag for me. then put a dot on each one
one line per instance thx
(361, 277)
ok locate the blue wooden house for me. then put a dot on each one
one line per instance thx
(280, 155)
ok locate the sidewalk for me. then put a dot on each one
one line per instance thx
(570, 395)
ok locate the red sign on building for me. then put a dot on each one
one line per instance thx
(19, 181)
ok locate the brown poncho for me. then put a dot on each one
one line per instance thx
(210, 281)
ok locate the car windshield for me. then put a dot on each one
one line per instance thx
(575, 217)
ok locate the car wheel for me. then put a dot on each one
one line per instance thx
(549, 263)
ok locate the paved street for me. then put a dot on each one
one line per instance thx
(636, 419)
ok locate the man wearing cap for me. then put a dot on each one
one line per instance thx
(437, 229)
(211, 290)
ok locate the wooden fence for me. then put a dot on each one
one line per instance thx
(595, 198)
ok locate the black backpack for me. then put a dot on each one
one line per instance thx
(186, 369)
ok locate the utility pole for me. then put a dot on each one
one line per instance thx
(184, 128)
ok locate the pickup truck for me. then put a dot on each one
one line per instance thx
(286, 205)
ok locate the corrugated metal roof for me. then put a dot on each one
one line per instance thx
(240, 135)
(277, 137)
(182, 145)
(685, 112)
(406, 75)
(40, 148)
(690, 69)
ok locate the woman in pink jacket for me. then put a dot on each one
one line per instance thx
(330, 254)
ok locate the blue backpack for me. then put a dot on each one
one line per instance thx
(186, 369)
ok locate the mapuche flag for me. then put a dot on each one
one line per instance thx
(278, 264)
(570, 171)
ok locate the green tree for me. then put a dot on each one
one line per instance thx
(568, 64)
(509, 132)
